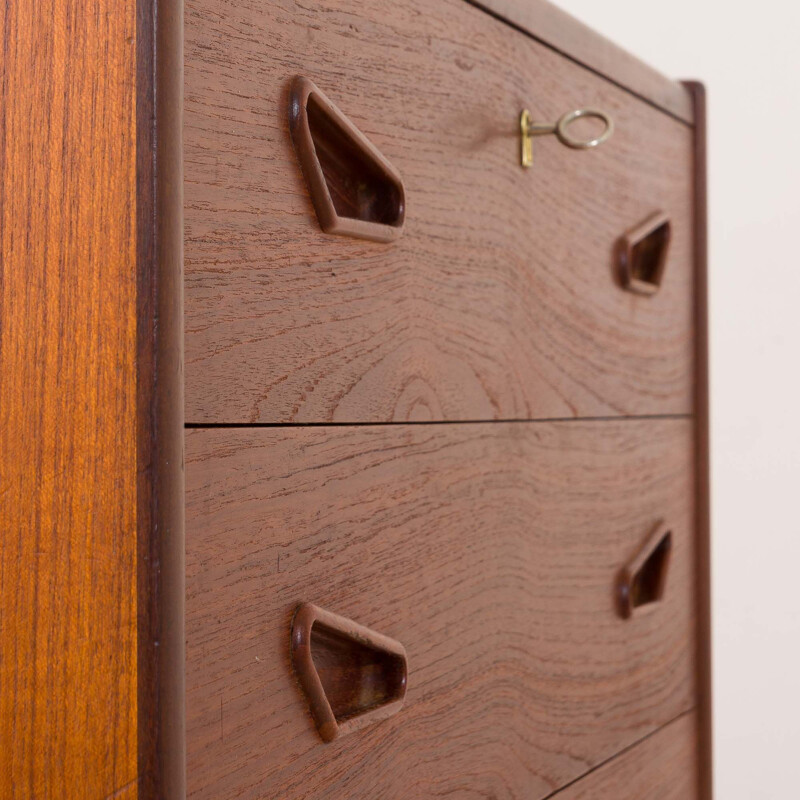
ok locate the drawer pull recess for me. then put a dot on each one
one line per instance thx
(643, 254)
(642, 581)
(351, 676)
(354, 189)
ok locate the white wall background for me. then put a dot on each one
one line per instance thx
(748, 54)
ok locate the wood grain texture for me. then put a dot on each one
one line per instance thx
(68, 423)
(500, 300)
(663, 767)
(489, 551)
(568, 35)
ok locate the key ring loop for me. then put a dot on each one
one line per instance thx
(583, 144)
(529, 129)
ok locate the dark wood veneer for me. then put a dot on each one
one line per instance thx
(548, 23)
(501, 298)
(490, 551)
(665, 766)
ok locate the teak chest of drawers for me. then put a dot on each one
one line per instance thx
(413, 435)
(490, 550)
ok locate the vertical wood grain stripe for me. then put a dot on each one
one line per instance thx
(68, 465)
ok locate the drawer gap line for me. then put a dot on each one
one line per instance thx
(541, 420)
(626, 749)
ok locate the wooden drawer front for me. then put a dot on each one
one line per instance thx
(663, 767)
(500, 300)
(489, 551)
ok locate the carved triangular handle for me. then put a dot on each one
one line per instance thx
(354, 189)
(642, 581)
(351, 676)
(643, 254)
